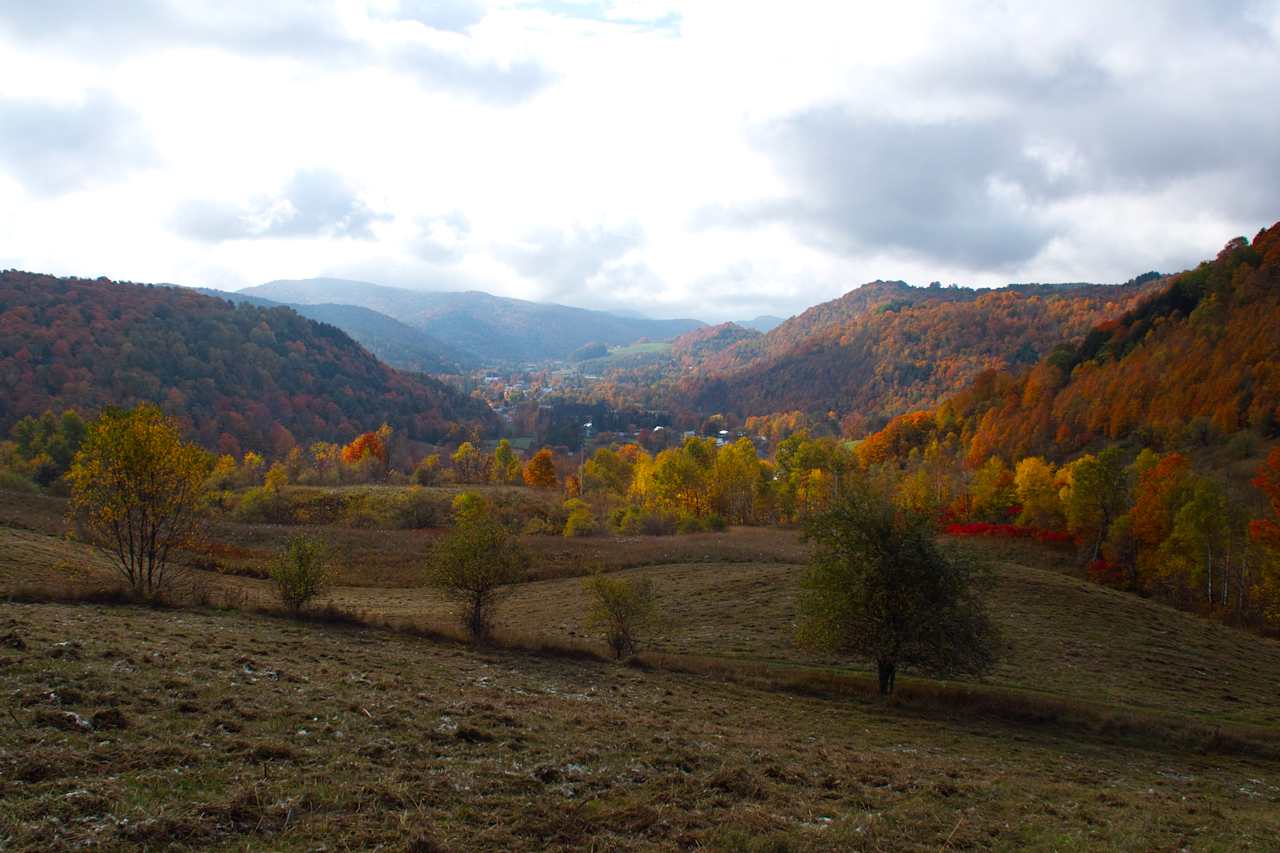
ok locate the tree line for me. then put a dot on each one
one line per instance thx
(877, 586)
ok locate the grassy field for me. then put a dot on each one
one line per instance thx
(222, 730)
(1111, 721)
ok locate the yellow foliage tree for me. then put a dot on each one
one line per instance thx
(468, 464)
(506, 464)
(277, 478)
(138, 490)
(1037, 491)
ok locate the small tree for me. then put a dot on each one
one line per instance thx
(506, 464)
(368, 455)
(428, 471)
(624, 610)
(301, 572)
(277, 478)
(878, 586)
(139, 489)
(1038, 493)
(993, 490)
(473, 563)
(580, 521)
(469, 464)
(540, 470)
(1097, 495)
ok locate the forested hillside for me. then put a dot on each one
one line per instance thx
(237, 376)
(692, 348)
(1201, 355)
(403, 347)
(493, 328)
(887, 347)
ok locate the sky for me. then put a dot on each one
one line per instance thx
(717, 160)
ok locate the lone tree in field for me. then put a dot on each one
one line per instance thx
(474, 563)
(139, 489)
(300, 572)
(879, 587)
(623, 610)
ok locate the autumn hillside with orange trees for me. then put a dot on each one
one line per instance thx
(692, 348)
(1198, 359)
(237, 377)
(887, 347)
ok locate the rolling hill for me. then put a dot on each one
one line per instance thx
(493, 328)
(888, 347)
(403, 347)
(693, 348)
(238, 376)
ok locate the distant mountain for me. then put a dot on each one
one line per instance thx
(763, 323)
(240, 376)
(493, 328)
(403, 347)
(888, 347)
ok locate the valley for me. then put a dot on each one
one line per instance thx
(463, 425)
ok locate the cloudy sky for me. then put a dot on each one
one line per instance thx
(709, 159)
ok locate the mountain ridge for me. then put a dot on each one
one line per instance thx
(494, 328)
(399, 345)
(888, 347)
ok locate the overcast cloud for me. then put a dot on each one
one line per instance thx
(714, 159)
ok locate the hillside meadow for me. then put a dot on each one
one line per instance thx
(1111, 721)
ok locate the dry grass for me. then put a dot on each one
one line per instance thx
(225, 731)
(1065, 637)
(1111, 721)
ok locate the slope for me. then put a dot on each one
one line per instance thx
(225, 728)
(231, 731)
(494, 328)
(403, 347)
(239, 376)
(1201, 356)
(887, 347)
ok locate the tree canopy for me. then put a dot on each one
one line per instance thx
(879, 587)
(138, 489)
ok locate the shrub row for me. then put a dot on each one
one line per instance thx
(1009, 531)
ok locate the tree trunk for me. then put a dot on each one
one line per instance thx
(1208, 570)
(887, 672)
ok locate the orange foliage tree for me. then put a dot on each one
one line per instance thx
(365, 445)
(540, 472)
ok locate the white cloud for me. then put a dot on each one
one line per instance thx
(715, 159)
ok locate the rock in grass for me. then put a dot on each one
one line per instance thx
(67, 721)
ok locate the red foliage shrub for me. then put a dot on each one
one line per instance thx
(1009, 531)
(1106, 574)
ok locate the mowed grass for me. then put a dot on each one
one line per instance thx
(733, 596)
(394, 558)
(1062, 636)
(250, 730)
(223, 730)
